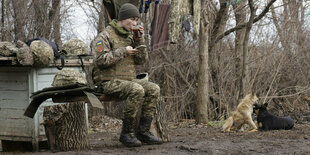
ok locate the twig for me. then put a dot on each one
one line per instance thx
(275, 75)
(289, 95)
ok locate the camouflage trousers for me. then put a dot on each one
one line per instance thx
(137, 93)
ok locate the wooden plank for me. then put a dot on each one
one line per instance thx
(11, 69)
(69, 61)
(14, 99)
(13, 113)
(16, 138)
(73, 62)
(13, 123)
(20, 102)
(7, 58)
(7, 61)
(13, 76)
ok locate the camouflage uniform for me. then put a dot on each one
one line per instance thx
(114, 67)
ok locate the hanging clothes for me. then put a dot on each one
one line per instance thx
(160, 27)
(146, 4)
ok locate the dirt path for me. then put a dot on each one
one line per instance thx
(210, 140)
(197, 139)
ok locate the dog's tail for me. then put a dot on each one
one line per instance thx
(228, 124)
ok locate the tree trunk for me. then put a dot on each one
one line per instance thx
(218, 25)
(66, 126)
(101, 21)
(56, 22)
(5, 35)
(160, 125)
(245, 74)
(218, 28)
(41, 19)
(19, 8)
(203, 73)
(240, 15)
(289, 25)
(2, 20)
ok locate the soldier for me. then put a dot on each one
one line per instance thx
(114, 70)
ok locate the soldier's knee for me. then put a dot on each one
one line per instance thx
(137, 90)
(154, 90)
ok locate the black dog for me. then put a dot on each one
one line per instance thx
(267, 121)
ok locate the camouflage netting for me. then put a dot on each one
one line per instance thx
(43, 53)
(68, 76)
(75, 47)
(7, 49)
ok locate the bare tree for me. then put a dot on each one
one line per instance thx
(55, 17)
(2, 20)
(19, 8)
(203, 74)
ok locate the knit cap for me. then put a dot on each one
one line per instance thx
(127, 10)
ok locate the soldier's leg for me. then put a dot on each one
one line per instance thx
(133, 93)
(152, 92)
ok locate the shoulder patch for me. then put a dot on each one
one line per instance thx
(99, 47)
(99, 43)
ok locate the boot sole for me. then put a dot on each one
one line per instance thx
(155, 143)
(132, 145)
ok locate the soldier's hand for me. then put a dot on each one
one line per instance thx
(131, 50)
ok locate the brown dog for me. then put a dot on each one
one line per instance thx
(242, 115)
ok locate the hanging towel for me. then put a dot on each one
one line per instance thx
(160, 27)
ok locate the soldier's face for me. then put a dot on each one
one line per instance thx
(129, 23)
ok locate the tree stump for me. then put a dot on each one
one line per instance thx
(66, 126)
(160, 125)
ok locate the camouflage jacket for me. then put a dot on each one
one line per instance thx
(111, 59)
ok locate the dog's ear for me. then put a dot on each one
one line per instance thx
(266, 104)
(255, 105)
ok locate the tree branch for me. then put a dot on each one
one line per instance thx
(238, 27)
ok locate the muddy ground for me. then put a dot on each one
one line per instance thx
(188, 138)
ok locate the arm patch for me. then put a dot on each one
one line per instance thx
(99, 47)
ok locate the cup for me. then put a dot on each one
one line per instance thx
(136, 32)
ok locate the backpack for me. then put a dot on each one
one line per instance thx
(55, 48)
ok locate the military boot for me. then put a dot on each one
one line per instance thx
(144, 134)
(127, 136)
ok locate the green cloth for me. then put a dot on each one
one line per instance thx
(120, 30)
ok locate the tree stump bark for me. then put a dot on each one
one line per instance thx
(66, 126)
(160, 125)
